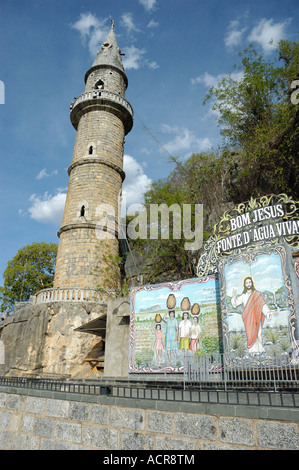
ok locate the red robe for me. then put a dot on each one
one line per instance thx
(253, 316)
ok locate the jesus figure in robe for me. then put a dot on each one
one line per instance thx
(254, 314)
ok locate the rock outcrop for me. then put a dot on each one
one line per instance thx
(41, 339)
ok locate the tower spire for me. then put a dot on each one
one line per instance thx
(109, 55)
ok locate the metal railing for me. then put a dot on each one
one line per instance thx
(56, 385)
(210, 392)
(241, 373)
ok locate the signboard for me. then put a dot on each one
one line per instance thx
(267, 221)
(171, 322)
(253, 251)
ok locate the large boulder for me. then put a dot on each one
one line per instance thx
(41, 339)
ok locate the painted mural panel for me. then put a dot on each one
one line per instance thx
(258, 312)
(171, 322)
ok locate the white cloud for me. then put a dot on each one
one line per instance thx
(48, 208)
(86, 22)
(153, 64)
(185, 141)
(133, 58)
(136, 182)
(127, 20)
(153, 24)
(207, 79)
(44, 174)
(212, 80)
(149, 5)
(234, 35)
(267, 33)
(92, 30)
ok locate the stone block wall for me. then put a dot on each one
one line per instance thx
(113, 80)
(45, 422)
(84, 261)
(105, 132)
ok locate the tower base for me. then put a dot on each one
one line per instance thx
(41, 339)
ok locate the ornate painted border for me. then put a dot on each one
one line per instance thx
(172, 286)
(249, 257)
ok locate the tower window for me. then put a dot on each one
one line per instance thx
(90, 151)
(82, 210)
(99, 85)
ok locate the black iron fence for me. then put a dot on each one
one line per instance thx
(56, 385)
(181, 392)
(271, 382)
(244, 372)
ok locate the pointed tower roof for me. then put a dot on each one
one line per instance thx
(109, 55)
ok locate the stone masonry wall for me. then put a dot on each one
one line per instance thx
(112, 79)
(105, 132)
(91, 184)
(85, 261)
(38, 420)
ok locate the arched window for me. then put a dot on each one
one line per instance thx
(90, 150)
(82, 211)
(99, 85)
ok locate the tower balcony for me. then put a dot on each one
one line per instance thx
(104, 100)
(71, 294)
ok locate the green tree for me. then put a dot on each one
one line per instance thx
(168, 255)
(257, 117)
(205, 178)
(30, 270)
(260, 154)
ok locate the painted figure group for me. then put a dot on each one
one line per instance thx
(180, 335)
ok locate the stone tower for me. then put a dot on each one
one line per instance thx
(102, 117)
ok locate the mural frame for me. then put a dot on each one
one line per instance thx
(173, 363)
(232, 359)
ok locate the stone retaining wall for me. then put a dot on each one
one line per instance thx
(40, 420)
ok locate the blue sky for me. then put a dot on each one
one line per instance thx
(174, 51)
(195, 290)
(266, 271)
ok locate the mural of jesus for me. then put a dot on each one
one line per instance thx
(254, 314)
